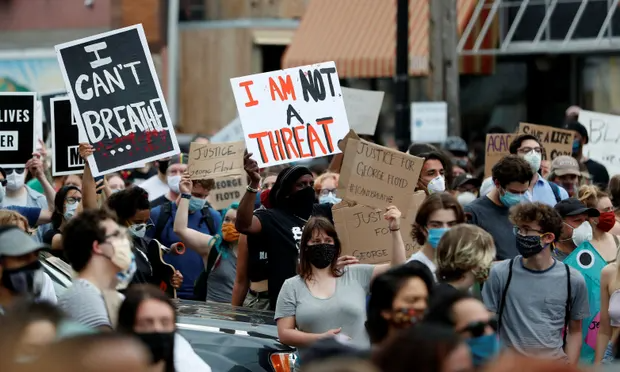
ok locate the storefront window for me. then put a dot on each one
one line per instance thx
(600, 82)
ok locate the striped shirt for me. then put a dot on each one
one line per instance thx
(83, 302)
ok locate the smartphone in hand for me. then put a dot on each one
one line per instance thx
(99, 182)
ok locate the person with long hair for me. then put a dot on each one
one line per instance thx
(425, 348)
(223, 262)
(614, 192)
(605, 243)
(607, 337)
(150, 315)
(66, 204)
(399, 299)
(325, 300)
(438, 213)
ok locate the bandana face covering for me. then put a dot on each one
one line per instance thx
(606, 221)
(302, 202)
(229, 233)
(27, 280)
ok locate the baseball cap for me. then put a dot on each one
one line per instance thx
(466, 178)
(455, 145)
(573, 207)
(181, 158)
(14, 242)
(563, 165)
(579, 128)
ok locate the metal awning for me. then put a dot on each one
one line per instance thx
(543, 27)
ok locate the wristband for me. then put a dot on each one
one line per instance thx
(393, 230)
(186, 196)
(252, 190)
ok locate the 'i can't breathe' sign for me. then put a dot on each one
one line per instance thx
(113, 87)
(293, 114)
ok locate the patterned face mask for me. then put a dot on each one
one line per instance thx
(321, 255)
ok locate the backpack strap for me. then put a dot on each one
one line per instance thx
(568, 307)
(207, 218)
(502, 304)
(556, 191)
(165, 212)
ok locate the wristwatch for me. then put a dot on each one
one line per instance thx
(186, 196)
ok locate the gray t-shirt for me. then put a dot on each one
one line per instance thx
(222, 279)
(345, 309)
(493, 218)
(534, 313)
(83, 302)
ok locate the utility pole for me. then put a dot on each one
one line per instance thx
(444, 60)
(401, 79)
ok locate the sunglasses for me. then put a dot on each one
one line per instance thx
(16, 170)
(477, 329)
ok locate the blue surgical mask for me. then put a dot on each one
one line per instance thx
(576, 145)
(509, 199)
(434, 236)
(329, 199)
(483, 348)
(196, 204)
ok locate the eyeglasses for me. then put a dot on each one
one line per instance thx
(524, 231)
(16, 170)
(526, 150)
(477, 329)
(73, 200)
(327, 191)
(120, 233)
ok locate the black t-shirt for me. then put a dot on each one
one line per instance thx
(144, 271)
(493, 218)
(600, 176)
(257, 259)
(49, 235)
(281, 235)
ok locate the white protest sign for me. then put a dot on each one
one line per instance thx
(429, 122)
(604, 136)
(233, 132)
(38, 124)
(363, 109)
(291, 115)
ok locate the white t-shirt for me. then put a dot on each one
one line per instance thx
(20, 200)
(48, 293)
(420, 256)
(185, 358)
(155, 187)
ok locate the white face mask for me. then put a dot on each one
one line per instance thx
(534, 159)
(138, 230)
(581, 233)
(15, 181)
(173, 183)
(437, 184)
(70, 210)
(2, 193)
(466, 198)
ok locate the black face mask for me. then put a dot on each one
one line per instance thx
(321, 255)
(27, 280)
(163, 166)
(161, 345)
(529, 246)
(301, 202)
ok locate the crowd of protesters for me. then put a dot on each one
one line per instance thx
(497, 282)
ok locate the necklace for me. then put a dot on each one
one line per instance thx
(303, 219)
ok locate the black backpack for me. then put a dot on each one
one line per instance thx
(556, 191)
(200, 286)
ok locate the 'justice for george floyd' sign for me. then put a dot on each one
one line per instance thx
(16, 128)
(113, 87)
(65, 139)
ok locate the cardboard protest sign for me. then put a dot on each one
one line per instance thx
(377, 176)
(603, 136)
(119, 104)
(17, 118)
(65, 139)
(215, 160)
(555, 141)
(496, 146)
(364, 233)
(363, 109)
(227, 191)
(233, 132)
(293, 114)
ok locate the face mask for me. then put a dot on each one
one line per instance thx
(173, 183)
(123, 256)
(161, 345)
(509, 199)
(27, 280)
(466, 197)
(196, 204)
(70, 210)
(576, 146)
(483, 348)
(581, 233)
(534, 159)
(301, 202)
(606, 221)
(434, 236)
(229, 233)
(138, 230)
(321, 255)
(437, 184)
(329, 199)
(404, 318)
(114, 191)
(124, 277)
(2, 193)
(14, 181)
(529, 246)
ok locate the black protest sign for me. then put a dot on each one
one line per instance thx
(119, 105)
(47, 113)
(17, 141)
(65, 139)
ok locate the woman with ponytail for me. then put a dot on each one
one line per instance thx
(605, 243)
